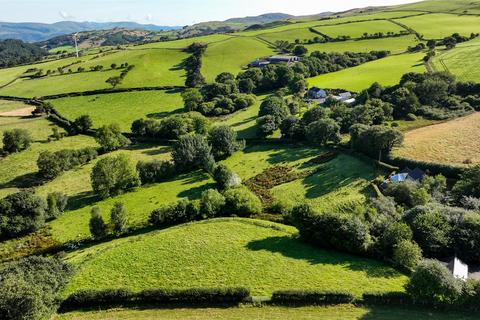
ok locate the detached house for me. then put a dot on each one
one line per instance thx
(316, 93)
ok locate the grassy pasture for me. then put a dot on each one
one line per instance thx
(394, 45)
(437, 5)
(232, 55)
(302, 34)
(121, 108)
(225, 253)
(68, 49)
(440, 25)
(6, 105)
(182, 43)
(386, 71)
(244, 121)
(461, 61)
(450, 142)
(344, 312)
(356, 30)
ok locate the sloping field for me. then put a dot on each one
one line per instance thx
(386, 71)
(183, 43)
(461, 61)
(244, 121)
(302, 34)
(232, 55)
(437, 5)
(7, 106)
(126, 107)
(227, 253)
(439, 25)
(394, 45)
(356, 30)
(452, 142)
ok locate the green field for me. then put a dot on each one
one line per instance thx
(438, 5)
(226, 253)
(244, 121)
(356, 30)
(386, 71)
(439, 25)
(394, 45)
(232, 55)
(121, 108)
(6, 105)
(183, 43)
(68, 49)
(461, 61)
(342, 312)
(291, 35)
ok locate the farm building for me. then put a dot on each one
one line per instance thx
(416, 175)
(320, 96)
(262, 62)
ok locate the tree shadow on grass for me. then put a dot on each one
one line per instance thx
(294, 248)
(411, 312)
(27, 180)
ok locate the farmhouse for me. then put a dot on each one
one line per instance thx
(262, 62)
(416, 175)
(316, 93)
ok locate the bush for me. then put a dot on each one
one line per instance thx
(83, 123)
(21, 213)
(114, 175)
(387, 298)
(323, 131)
(304, 297)
(466, 238)
(242, 202)
(52, 164)
(223, 140)
(408, 194)
(226, 178)
(432, 282)
(110, 138)
(274, 106)
(469, 184)
(98, 228)
(16, 140)
(56, 203)
(95, 298)
(407, 255)
(191, 152)
(180, 212)
(119, 219)
(155, 171)
(212, 203)
(31, 287)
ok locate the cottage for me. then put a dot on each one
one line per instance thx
(416, 175)
(317, 93)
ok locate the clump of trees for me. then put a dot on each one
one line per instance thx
(118, 225)
(52, 164)
(193, 65)
(31, 287)
(374, 140)
(15, 52)
(110, 138)
(83, 124)
(16, 140)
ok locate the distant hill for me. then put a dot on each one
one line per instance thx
(36, 32)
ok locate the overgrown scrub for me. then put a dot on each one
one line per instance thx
(52, 164)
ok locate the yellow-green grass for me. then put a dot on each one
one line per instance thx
(67, 48)
(6, 105)
(386, 71)
(453, 142)
(340, 312)
(437, 5)
(183, 43)
(39, 128)
(244, 121)
(73, 224)
(407, 125)
(59, 84)
(120, 108)
(356, 30)
(439, 25)
(302, 34)
(461, 61)
(232, 55)
(394, 45)
(228, 252)
(19, 169)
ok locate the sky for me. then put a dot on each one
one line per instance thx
(167, 12)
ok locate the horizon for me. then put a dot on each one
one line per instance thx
(167, 13)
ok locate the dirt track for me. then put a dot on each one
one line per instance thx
(24, 112)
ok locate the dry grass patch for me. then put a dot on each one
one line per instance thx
(453, 142)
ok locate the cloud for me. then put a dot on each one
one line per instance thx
(65, 15)
(149, 17)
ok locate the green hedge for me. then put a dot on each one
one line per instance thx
(387, 298)
(311, 297)
(449, 171)
(124, 297)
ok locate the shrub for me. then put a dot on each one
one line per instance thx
(323, 131)
(31, 287)
(83, 123)
(407, 255)
(114, 175)
(110, 138)
(223, 140)
(432, 282)
(96, 298)
(98, 228)
(226, 178)
(212, 203)
(305, 297)
(52, 164)
(408, 194)
(242, 202)
(191, 152)
(469, 184)
(119, 218)
(21, 213)
(180, 212)
(56, 203)
(466, 238)
(16, 140)
(387, 298)
(155, 171)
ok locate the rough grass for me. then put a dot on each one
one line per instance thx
(226, 253)
(121, 108)
(461, 61)
(6, 105)
(451, 142)
(437, 5)
(343, 312)
(356, 30)
(386, 71)
(439, 25)
(232, 55)
(394, 45)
